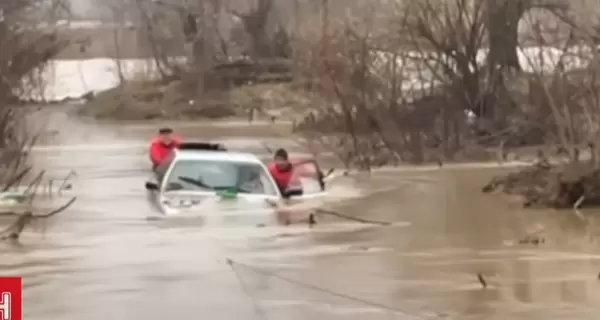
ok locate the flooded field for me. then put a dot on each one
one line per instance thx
(103, 258)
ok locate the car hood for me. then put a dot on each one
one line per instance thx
(207, 203)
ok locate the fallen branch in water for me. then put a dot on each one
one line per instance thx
(482, 280)
(57, 211)
(14, 230)
(65, 185)
(34, 185)
(570, 185)
(16, 179)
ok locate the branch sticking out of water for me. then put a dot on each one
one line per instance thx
(57, 211)
(482, 280)
(34, 185)
(65, 185)
(16, 179)
(578, 203)
(268, 148)
(14, 230)
(356, 219)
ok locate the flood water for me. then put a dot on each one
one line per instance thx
(103, 259)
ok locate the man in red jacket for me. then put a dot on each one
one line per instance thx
(162, 146)
(287, 173)
(281, 169)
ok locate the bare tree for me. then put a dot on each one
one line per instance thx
(27, 44)
(502, 23)
(118, 11)
(430, 88)
(24, 48)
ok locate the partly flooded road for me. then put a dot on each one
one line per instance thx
(103, 258)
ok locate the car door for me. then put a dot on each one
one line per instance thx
(155, 179)
(307, 175)
(161, 170)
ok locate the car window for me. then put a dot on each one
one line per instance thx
(219, 175)
(306, 176)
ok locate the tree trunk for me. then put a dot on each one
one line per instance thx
(503, 32)
(502, 25)
(119, 26)
(255, 25)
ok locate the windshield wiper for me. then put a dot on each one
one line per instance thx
(237, 189)
(195, 182)
(201, 184)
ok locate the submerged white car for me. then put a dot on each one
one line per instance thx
(200, 177)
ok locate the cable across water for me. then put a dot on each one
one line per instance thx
(392, 310)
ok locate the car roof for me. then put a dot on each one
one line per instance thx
(224, 156)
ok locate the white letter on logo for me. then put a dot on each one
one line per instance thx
(5, 306)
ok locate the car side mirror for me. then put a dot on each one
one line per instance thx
(151, 186)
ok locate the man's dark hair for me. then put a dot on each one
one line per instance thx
(165, 131)
(281, 153)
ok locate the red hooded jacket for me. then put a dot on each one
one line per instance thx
(282, 178)
(290, 178)
(159, 151)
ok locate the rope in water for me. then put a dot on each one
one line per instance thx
(387, 308)
(258, 310)
(356, 219)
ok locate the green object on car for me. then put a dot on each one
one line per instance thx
(229, 194)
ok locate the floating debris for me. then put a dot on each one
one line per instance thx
(482, 280)
(565, 185)
(535, 240)
(312, 221)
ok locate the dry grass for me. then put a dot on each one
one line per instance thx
(139, 100)
(282, 100)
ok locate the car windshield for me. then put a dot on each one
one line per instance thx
(196, 175)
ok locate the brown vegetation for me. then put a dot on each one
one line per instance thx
(25, 50)
(422, 92)
(408, 81)
(408, 90)
(225, 48)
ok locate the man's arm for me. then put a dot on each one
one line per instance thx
(309, 174)
(177, 141)
(316, 174)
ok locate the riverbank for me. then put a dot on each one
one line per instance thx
(152, 100)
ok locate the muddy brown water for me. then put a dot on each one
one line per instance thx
(104, 259)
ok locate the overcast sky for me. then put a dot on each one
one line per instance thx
(87, 8)
(80, 6)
